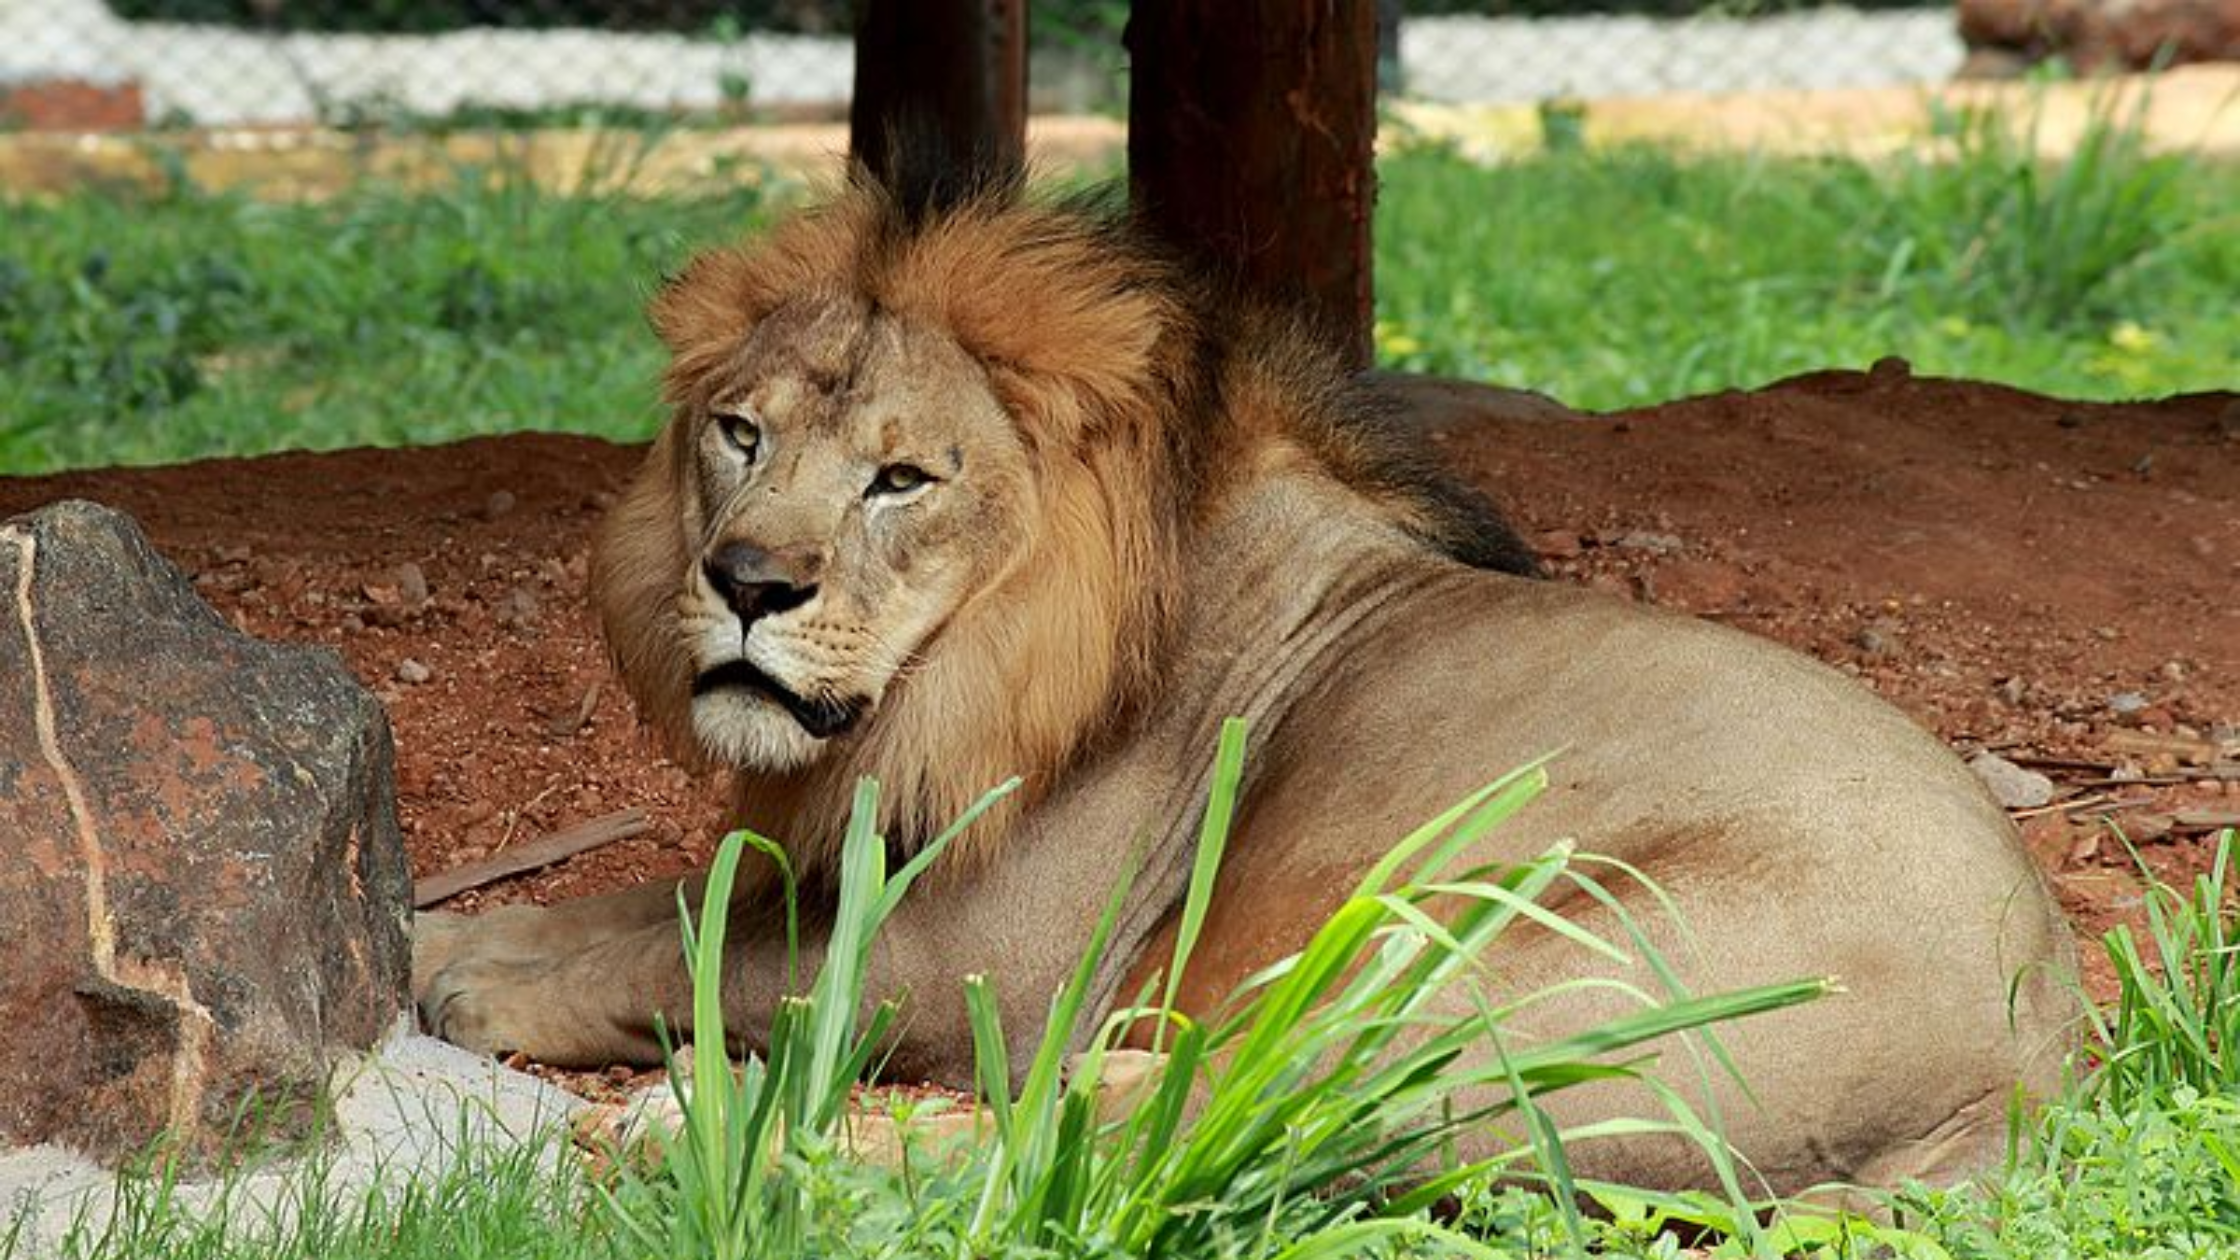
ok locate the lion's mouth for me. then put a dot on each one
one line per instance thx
(822, 717)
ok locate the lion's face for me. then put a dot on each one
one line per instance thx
(913, 516)
(850, 482)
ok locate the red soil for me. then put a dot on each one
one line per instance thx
(2051, 580)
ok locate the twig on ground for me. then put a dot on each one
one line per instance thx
(2046, 761)
(2058, 807)
(543, 851)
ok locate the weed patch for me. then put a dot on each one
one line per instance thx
(147, 328)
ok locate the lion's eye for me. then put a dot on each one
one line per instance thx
(899, 479)
(744, 435)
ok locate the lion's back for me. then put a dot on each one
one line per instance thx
(1802, 827)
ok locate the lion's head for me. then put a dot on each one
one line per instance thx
(929, 475)
(908, 511)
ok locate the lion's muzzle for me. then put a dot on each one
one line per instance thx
(821, 716)
(755, 583)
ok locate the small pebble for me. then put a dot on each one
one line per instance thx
(1654, 544)
(412, 672)
(1875, 639)
(2125, 703)
(2010, 784)
(1889, 372)
(498, 504)
(412, 584)
(517, 608)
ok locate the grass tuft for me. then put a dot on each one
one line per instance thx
(2177, 1012)
(1315, 1115)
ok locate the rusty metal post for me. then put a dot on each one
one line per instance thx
(1251, 141)
(949, 74)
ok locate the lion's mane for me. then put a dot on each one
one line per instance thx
(1144, 394)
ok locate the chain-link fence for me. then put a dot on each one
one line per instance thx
(285, 62)
(1476, 57)
(126, 63)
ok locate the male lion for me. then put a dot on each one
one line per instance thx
(956, 491)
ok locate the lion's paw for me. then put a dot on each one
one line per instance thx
(1125, 1081)
(490, 1007)
(438, 938)
(502, 934)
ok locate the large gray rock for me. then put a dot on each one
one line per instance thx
(202, 885)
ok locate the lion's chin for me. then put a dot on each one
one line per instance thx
(751, 732)
(750, 719)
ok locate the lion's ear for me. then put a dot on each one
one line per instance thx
(1067, 336)
(705, 311)
(702, 314)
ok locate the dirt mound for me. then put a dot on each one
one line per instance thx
(2056, 582)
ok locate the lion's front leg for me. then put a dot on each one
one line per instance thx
(528, 933)
(533, 978)
(586, 1007)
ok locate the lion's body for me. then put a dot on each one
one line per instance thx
(1145, 522)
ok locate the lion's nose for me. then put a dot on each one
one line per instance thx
(755, 583)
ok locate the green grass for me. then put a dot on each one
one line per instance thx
(1315, 1129)
(1630, 276)
(143, 330)
(1311, 1116)
(138, 328)
(527, 1203)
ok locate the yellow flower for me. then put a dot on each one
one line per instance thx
(1391, 341)
(2132, 338)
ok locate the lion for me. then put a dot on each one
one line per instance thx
(960, 488)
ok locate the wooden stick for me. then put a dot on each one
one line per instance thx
(2057, 763)
(543, 851)
(2058, 807)
(2205, 819)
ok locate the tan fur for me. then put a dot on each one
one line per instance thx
(1173, 508)
(1034, 666)
(1079, 342)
